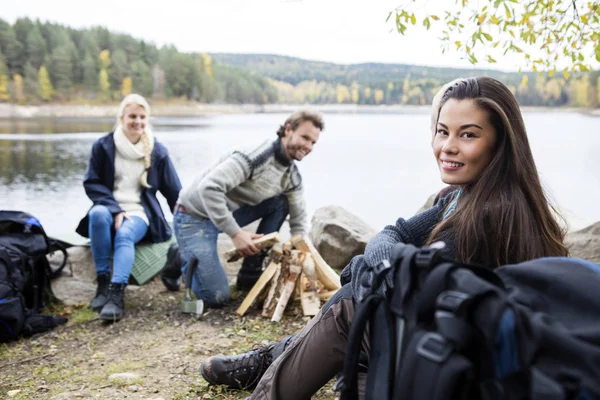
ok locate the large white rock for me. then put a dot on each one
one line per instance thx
(339, 235)
(585, 243)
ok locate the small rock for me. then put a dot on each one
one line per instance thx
(13, 393)
(125, 376)
(132, 388)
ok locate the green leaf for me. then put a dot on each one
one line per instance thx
(494, 20)
(426, 23)
(435, 17)
(413, 19)
(565, 74)
(487, 36)
(388, 17)
(491, 59)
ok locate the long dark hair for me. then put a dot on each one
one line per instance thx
(504, 216)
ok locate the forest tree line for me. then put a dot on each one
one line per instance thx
(46, 62)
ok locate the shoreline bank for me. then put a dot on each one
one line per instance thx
(15, 111)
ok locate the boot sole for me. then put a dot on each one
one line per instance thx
(111, 318)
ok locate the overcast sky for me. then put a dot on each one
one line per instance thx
(341, 31)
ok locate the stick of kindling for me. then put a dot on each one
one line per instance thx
(262, 242)
(287, 291)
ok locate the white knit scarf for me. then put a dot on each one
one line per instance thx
(130, 150)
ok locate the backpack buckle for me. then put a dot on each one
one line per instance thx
(434, 347)
(452, 301)
(427, 257)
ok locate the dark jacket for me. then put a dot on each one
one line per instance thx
(99, 180)
(415, 231)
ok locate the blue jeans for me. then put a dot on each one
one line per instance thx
(198, 237)
(101, 231)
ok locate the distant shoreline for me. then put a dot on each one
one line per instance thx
(8, 111)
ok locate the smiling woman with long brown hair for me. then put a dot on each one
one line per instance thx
(498, 215)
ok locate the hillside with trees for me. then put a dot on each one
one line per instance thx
(42, 62)
(302, 81)
(45, 62)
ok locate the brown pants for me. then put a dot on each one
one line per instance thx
(314, 355)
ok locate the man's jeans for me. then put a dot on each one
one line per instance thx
(131, 231)
(198, 237)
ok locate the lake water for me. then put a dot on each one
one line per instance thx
(377, 166)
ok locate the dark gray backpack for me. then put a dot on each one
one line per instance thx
(25, 276)
(454, 331)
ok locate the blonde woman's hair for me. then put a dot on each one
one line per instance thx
(136, 99)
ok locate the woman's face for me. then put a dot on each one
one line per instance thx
(464, 142)
(134, 122)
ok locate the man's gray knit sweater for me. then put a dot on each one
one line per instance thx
(246, 177)
(415, 231)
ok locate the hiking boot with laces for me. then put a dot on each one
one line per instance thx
(242, 371)
(171, 272)
(114, 308)
(101, 292)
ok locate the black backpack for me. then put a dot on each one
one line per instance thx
(25, 276)
(454, 331)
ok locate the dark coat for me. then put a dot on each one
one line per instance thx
(99, 180)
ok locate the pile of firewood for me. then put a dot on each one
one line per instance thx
(294, 269)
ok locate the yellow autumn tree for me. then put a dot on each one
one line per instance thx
(46, 90)
(378, 95)
(104, 84)
(126, 86)
(367, 93)
(4, 94)
(104, 58)
(354, 94)
(18, 94)
(342, 94)
(207, 64)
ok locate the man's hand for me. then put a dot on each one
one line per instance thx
(119, 218)
(243, 243)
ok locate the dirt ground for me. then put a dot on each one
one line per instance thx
(154, 341)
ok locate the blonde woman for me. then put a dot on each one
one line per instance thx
(125, 170)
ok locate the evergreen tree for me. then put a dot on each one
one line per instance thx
(10, 47)
(90, 73)
(30, 82)
(36, 47)
(61, 68)
(118, 68)
(141, 78)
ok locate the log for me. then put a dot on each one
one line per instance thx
(262, 242)
(311, 304)
(327, 295)
(325, 274)
(288, 289)
(275, 288)
(258, 287)
(308, 287)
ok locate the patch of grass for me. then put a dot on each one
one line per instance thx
(123, 383)
(83, 314)
(202, 390)
(125, 366)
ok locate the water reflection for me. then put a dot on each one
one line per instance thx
(42, 164)
(55, 125)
